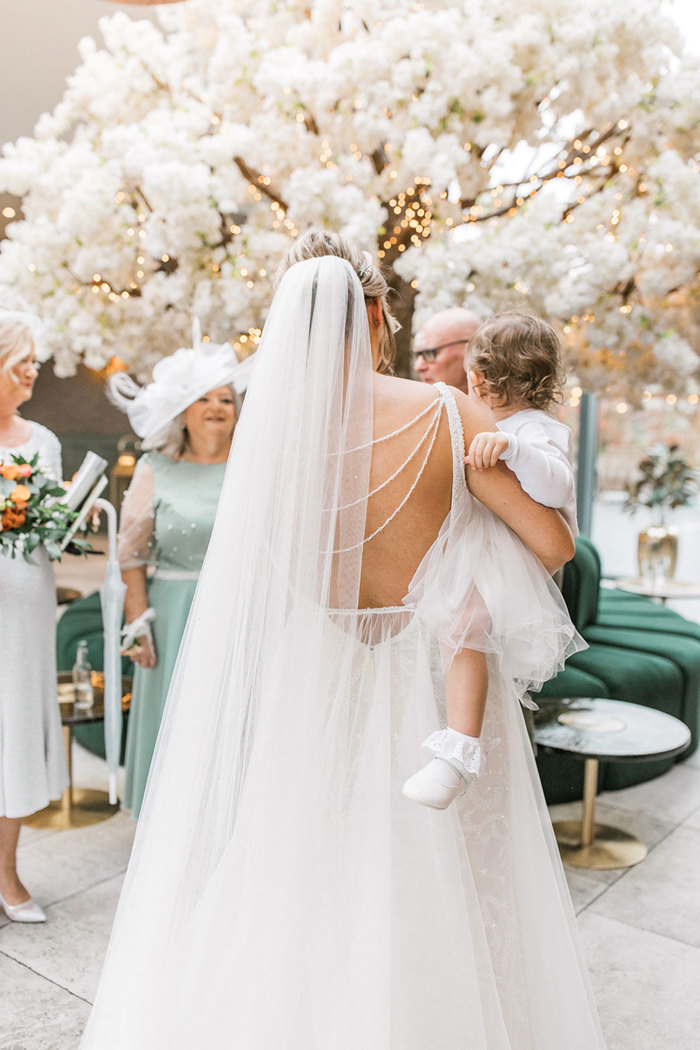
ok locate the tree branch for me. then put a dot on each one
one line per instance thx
(255, 179)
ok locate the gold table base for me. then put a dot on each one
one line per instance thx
(84, 808)
(585, 844)
(77, 807)
(610, 848)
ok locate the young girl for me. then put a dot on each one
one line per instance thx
(514, 366)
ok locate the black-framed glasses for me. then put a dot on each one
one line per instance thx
(431, 352)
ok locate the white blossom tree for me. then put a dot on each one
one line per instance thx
(493, 153)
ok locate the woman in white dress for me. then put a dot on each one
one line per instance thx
(32, 758)
(282, 891)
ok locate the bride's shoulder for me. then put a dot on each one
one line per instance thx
(409, 392)
(476, 417)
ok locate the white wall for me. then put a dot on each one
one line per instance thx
(39, 49)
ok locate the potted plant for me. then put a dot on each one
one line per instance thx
(665, 481)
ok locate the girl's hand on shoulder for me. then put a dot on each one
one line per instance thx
(486, 449)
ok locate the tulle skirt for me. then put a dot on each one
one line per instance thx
(325, 911)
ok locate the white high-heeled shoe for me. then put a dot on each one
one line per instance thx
(436, 785)
(25, 911)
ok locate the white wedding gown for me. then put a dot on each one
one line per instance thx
(283, 894)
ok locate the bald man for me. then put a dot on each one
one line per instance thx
(438, 353)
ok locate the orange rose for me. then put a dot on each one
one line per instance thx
(20, 494)
(12, 519)
(10, 471)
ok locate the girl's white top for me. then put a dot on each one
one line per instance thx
(540, 452)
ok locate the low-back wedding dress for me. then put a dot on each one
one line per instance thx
(283, 894)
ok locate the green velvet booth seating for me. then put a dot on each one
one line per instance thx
(639, 651)
(83, 619)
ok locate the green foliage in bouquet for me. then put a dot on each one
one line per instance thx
(32, 514)
(666, 480)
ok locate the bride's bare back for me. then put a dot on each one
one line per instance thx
(391, 558)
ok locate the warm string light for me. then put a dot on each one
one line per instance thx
(248, 341)
(581, 157)
(575, 396)
(615, 360)
(410, 210)
(100, 286)
(411, 215)
(648, 396)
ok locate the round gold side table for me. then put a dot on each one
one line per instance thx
(597, 730)
(79, 807)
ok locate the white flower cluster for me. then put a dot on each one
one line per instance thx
(495, 154)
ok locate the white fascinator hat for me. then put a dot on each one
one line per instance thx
(178, 381)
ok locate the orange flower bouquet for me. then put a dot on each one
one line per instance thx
(31, 512)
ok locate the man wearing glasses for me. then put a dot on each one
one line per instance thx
(440, 346)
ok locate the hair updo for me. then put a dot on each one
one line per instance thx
(318, 243)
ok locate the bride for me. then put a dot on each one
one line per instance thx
(283, 894)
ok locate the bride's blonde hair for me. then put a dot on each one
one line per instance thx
(315, 245)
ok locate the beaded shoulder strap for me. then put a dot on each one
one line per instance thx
(427, 441)
(454, 420)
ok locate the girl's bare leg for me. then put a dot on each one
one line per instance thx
(457, 749)
(467, 683)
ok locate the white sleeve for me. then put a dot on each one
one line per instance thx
(542, 466)
(55, 459)
(49, 448)
(137, 518)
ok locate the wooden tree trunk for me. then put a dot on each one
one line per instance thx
(402, 301)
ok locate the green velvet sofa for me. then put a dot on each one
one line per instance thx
(639, 651)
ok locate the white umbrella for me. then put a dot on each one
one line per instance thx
(112, 600)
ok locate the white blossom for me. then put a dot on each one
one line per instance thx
(186, 154)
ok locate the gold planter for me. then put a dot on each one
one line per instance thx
(657, 552)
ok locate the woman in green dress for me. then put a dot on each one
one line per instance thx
(186, 418)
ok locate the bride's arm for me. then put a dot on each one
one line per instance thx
(542, 529)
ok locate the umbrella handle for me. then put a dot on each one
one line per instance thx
(111, 515)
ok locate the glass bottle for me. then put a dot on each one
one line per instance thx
(84, 695)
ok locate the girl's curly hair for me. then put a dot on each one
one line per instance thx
(520, 359)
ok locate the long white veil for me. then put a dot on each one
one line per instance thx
(283, 894)
(286, 547)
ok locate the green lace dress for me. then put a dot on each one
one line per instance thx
(166, 521)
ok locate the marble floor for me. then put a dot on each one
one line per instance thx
(640, 927)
